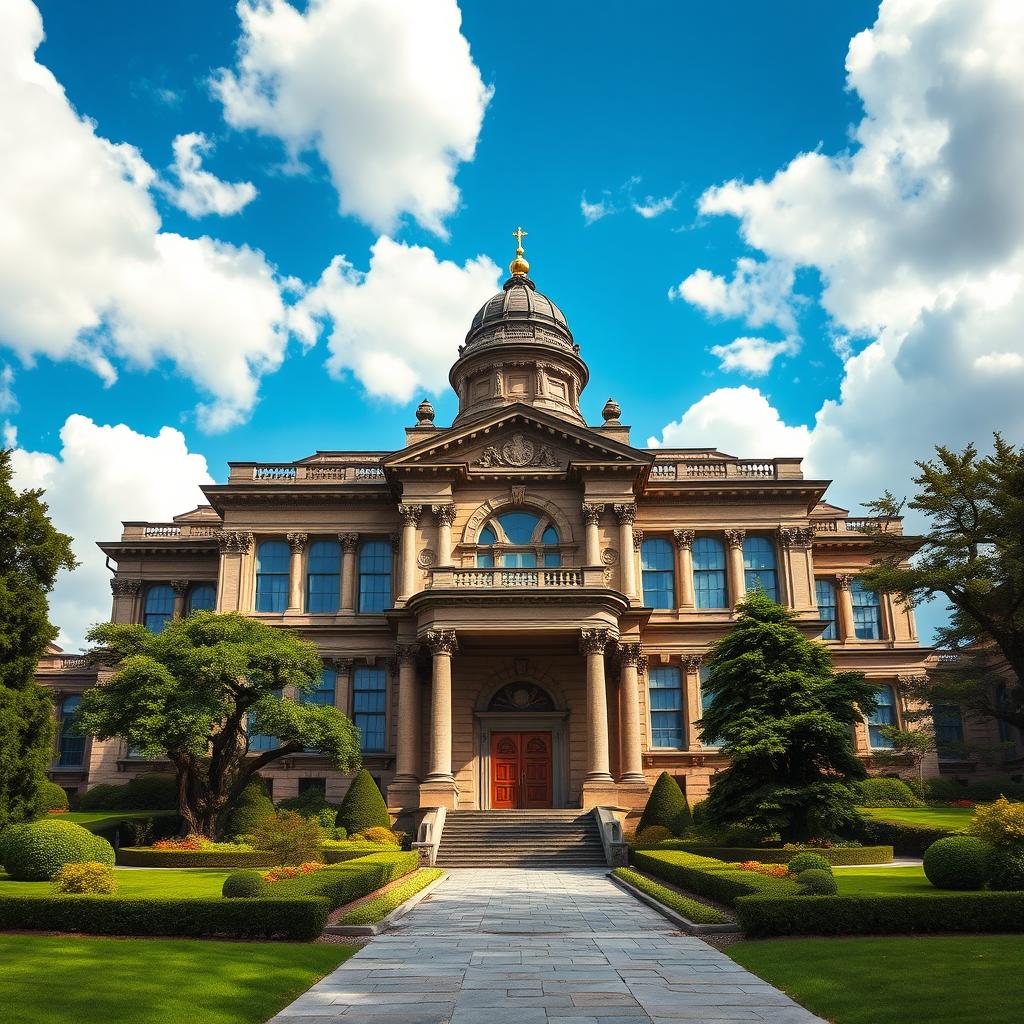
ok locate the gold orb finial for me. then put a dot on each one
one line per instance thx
(519, 267)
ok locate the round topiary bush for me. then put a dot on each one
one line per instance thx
(666, 806)
(363, 806)
(1006, 870)
(882, 792)
(50, 797)
(152, 792)
(90, 878)
(653, 834)
(957, 862)
(252, 807)
(809, 862)
(815, 882)
(104, 797)
(37, 850)
(242, 884)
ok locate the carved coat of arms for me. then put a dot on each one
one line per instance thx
(517, 452)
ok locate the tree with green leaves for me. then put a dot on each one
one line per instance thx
(32, 552)
(972, 554)
(785, 721)
(197, 691)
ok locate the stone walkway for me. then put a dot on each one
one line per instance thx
(518, 946)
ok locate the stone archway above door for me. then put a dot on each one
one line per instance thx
(518, 698)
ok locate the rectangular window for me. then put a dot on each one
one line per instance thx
(867, 612)
(657, 567)
(519, 560)
(825, 592)
(369, 696)
(71, 746)
(323, 577)
(759, 566)
(375, 576)
(324, 692)
(273, 559)
(949, 732)
(885, 714)
(666, 695)
(257, 741)
(706, 700)
(709, 573)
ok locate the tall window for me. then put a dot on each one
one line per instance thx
(706, 700)
(369, 695)
(825, 592)
(884, 714)
(203, 598)
(71, 747)
(666, 690)
(759, 566)
(374, 576)
(657, 565)
(1006, 731)
(324, 692)
(867, 612)
(272, 561)
(709, 573)
(524, 540)
(949, 731)
(323, 576)
(159, 607)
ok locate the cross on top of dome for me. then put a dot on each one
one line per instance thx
(519, 267)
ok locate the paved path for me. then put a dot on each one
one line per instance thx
(518, 946)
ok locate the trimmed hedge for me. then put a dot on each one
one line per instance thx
(150, 792)
(667, 807)
(881, 915)
(50, 797)
(332, 854)
(301, 918)
(957, 862)
(35, 851)
(363, 806)
(906, 839)
(706, 876)
(146, 857)
(692, 910)
(839, 855)
(377, 908)
(251, 807)
(885, 792)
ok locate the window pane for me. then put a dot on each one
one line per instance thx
(159, 607)
(324, 692)
(519, 526)
(949, 731)
(71, 748)
(657, 561)
(885, 714)
(1006, 731)
(759, 566)
(706, 700)
(549, 536)
(272, 564)
(825, 592)
(487, 536)
(552, 559)
(324, 557)
(709, 573)
(519, 560)
(666, 697)
(273, 556)
(485, 559)
(375, 576)
(203, 598)
(369, 694)
(867, 613)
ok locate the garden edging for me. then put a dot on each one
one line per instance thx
(677, 919)
(385, 923)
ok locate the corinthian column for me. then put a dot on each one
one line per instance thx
(630, 759)
(626, 514)
(684, 567)
(591, 517)
(297, 542)
(180, 588)
(349, 542)
(444, 516)
(442, 643)
(407, 756)
(847, 630)
(593, 643)
(737, 583)
(407, 557)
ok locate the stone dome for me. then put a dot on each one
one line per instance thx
(518, 301)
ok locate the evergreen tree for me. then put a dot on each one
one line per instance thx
(363, 806)
(666, 806)
(31, 554)
(785, 722)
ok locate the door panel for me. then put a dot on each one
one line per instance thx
(504, 770)
(521, 770)
(536, 769)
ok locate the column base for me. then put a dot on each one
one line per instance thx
(600, 794)
(402, 794)
(439, 793)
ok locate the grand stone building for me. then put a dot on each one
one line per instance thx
(514, 609)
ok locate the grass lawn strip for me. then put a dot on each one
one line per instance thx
(886, 882)
(153, 981)
(931, 817)
(686, 906)
(139, 882)
(919, 980)
(377, 906)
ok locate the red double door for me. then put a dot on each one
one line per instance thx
(520, 769)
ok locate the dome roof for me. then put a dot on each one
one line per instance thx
(519, 301)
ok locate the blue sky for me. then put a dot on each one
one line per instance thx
(874, 314)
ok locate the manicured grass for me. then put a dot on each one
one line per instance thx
(377, 908)
(921, 980)
(153, 981)
(139, 882)
(884, 881)
(936, 817)
(692, 910)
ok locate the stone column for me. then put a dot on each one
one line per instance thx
(844, 599)
(442, 643)
(630, 758)
(591, 517)
(694, 708)
(343, 685)
(236, 579)
(626, 514)
(684, 567)
(297, 542)
(349, 543)
(638, 571)
(593, 643)
(408, 750)
(180, 588)
(126, 593)
(407, 548)
(444, 516)
(737, 584)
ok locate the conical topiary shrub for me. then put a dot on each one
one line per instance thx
(666, 806)
(251, 807)
(363, 806)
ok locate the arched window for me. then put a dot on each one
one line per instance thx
(867, 612)
(71, 747)
(523, 540)
(374, 576)
(657, 565)
(324, 692)
(272, 562)
(203, 598)
(759, 566)
(949, 732)
(369, 701)
(665, 685)
(159, 607)
(323, 576)
(706, 700)
(709, 573)
(825, 592)
(884, 714)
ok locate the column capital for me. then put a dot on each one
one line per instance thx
(348, 541)
(406, 654)
(444, 514)
(410, 514)
(629, 653)
(843, 580)
(642, 662)
(683, 539)
(911, 681)
(297, 542)
(735, 538)
(180, 587)
(796, 536)
(592, 513)
(625, 513)
(124, 588)
(343, 666)
(638, 538)
(441, 641)
(692, 662)
(594, 641)
(239, 541)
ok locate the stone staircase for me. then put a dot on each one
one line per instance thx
(537, 839)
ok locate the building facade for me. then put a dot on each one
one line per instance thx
(515, 608)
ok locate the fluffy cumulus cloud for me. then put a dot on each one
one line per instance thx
(101, 475)
(397, 327)
(917, 235)
(386, 93)
(753, 356)
(199, 192)
(86, 273)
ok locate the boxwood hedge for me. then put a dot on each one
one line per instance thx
(840, 855)
(706, 876)
(906, 839)
(145, 857)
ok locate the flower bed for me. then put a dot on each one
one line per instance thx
(837, 855)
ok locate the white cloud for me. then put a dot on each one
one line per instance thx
(8, 403)
(86, 274)
(917, 235)
(101, 475)
(396, 327)
(199, 192)
(386, 93)
(754, 356)
(593, 212)
(651, 207)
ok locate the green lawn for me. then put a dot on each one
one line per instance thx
(920, 980)
(156, 981)
(139, 882)
(938, 817)
(885, 881)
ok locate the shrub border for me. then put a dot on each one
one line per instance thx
(706, 876)
(839, 856)
(403, 908)
(651, 896)
(145, 857)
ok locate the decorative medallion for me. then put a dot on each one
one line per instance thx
(521, 697)
(517, 452)
(610, 556)
(426, 558)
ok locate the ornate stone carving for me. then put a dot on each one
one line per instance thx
(611, 412)
(692, 662)
(443, 514)
(348, 541)
(425, 413)
(638, 539)
(235, 541)
(629, 653)
(735, 538)
(592, 514)
(610, 556)
(180, 587)
(608, 576)
(909, 682)
(625, 513)
(593, 641)
(407, 653)
(843, 580)
(343, 666)
(517, 495)
(641, 664)
(426, 558)
(297, 542)
(410, 514)
(796, 536)
(395, 540)
(125, 588)
(683, 538)
(517, 452)
(441, 641)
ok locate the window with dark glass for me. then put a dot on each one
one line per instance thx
(203, 598)
(375, 576)
(273, 558)
(706, 700)
(159, 607)
(825, 592)
(665, 686)
(324, 692)
(867, 612)
(524, 540)
(883, 715)
(369, 696)
(709, 573)
(657, 567)
(759, 566)
(323, 576)
(1007, 732)
(949, 731)
(71, 747)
